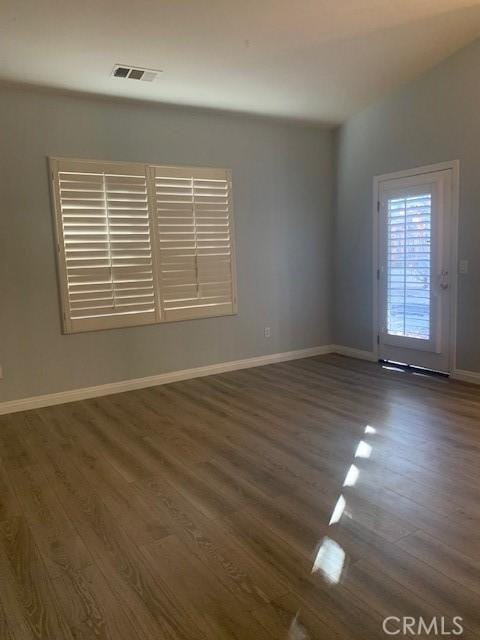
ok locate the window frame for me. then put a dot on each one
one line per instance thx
(69, 326)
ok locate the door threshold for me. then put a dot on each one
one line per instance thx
(416, 370)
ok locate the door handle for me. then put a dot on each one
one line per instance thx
(443, 280)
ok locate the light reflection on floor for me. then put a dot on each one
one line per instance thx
(329, 560)
(352, 476)
(364, 450)
(330, 556)
(338, 510)
(296, 631)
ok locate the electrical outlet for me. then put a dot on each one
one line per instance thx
(463, 267)
(267, 332)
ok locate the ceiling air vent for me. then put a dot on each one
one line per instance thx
(135, 73)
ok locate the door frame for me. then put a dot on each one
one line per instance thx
(454, 165)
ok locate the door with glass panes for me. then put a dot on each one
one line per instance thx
(414, 269)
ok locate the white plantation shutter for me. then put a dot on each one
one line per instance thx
(103, 232)
(195, 241)
(140, 244)
(409, 266)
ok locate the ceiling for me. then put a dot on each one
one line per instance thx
(312, 60)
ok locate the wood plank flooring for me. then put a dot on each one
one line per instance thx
(301, 500)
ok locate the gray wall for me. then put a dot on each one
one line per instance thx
(434, 119)
(282, 188)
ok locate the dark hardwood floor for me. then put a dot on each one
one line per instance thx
(301, 500)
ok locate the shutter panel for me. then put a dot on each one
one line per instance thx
(194, 232)
(103, 231)
(409, 266)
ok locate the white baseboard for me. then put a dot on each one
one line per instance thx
(35, 402)
(466, 376)
(354, 353)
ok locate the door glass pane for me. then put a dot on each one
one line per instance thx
(408, 266)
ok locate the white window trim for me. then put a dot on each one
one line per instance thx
(121, 321)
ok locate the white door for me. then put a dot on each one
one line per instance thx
(415, 226)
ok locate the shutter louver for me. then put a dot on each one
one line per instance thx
(104, 228)
(194, 231)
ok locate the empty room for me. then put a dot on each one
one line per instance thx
(239, 319)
